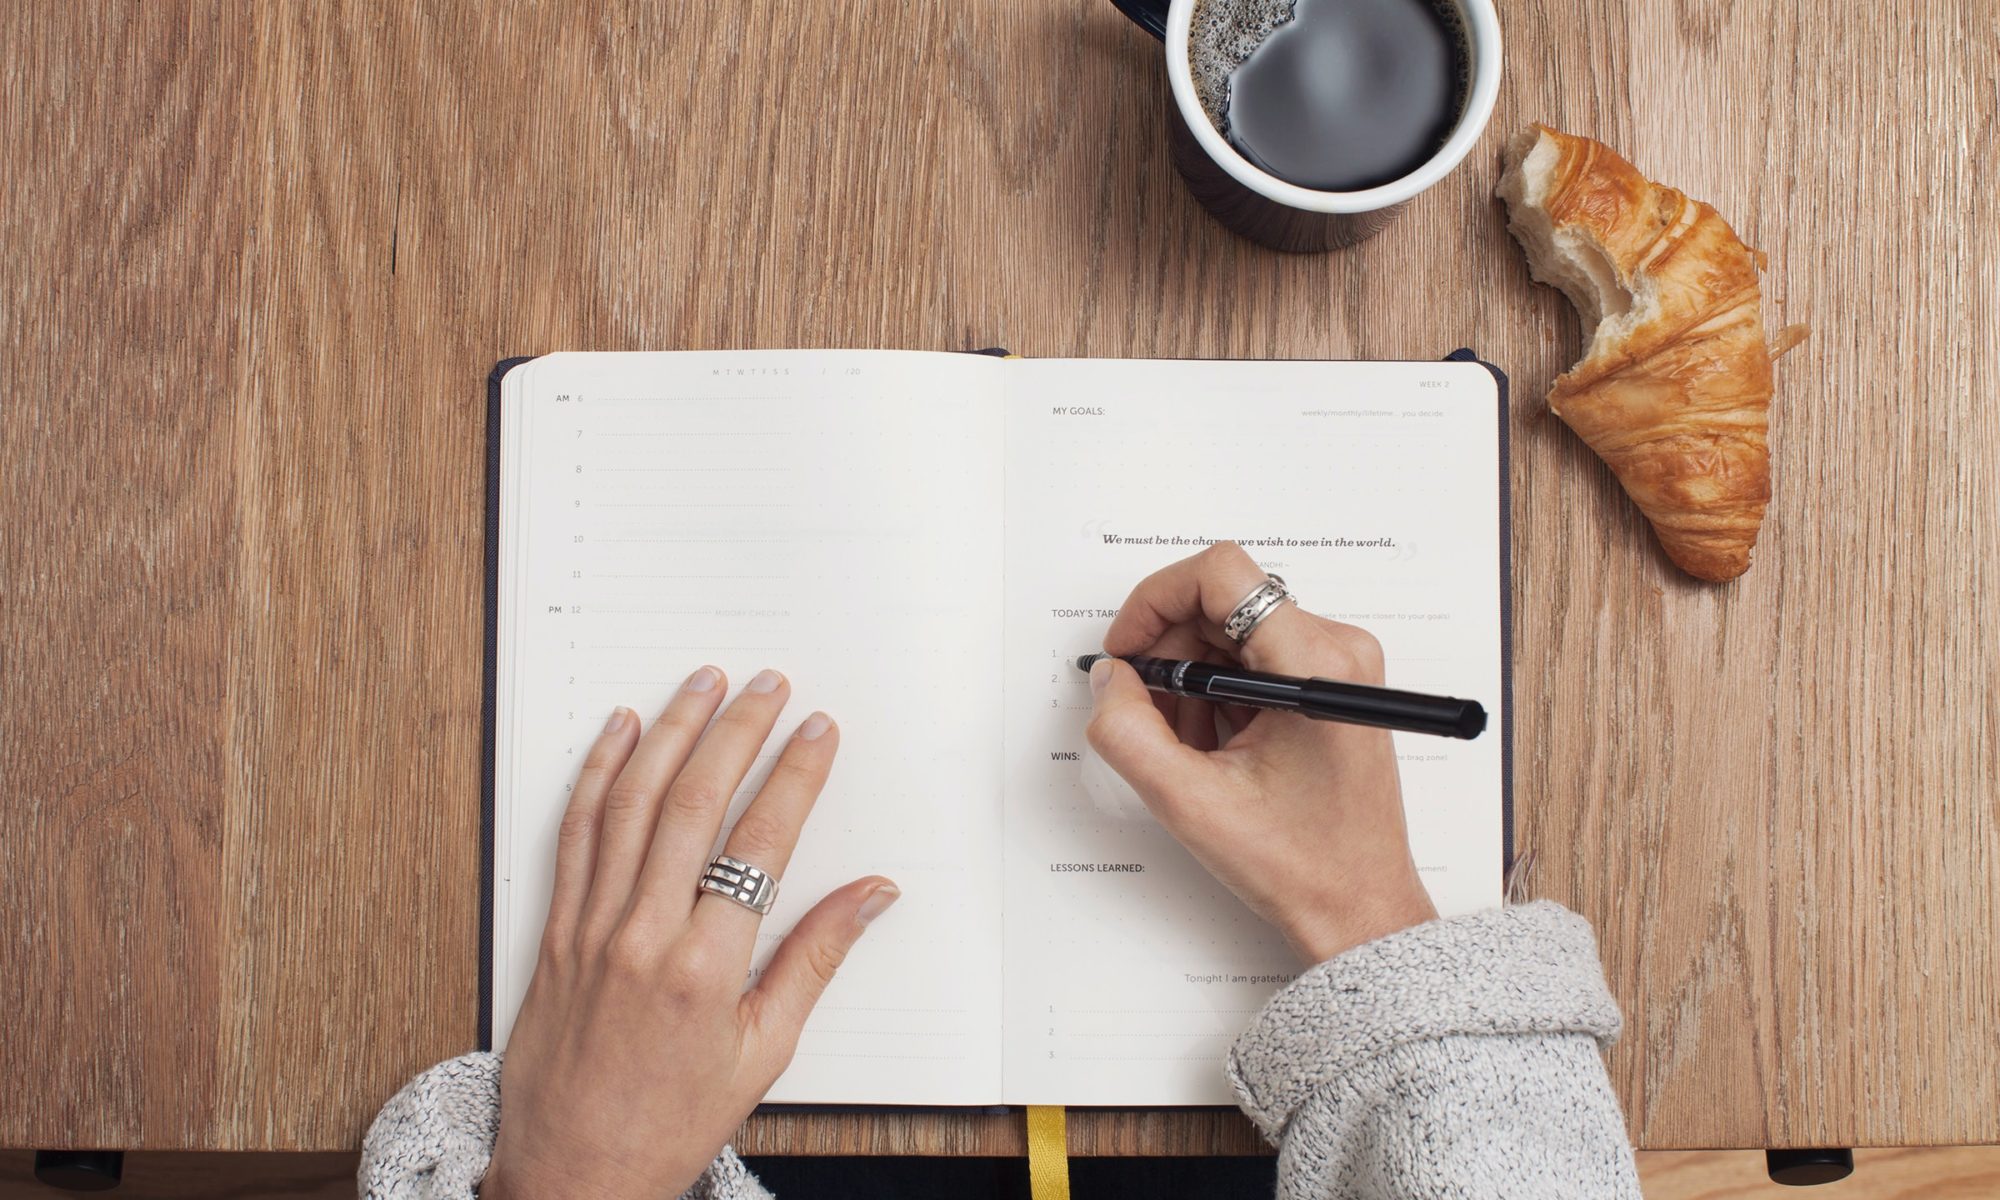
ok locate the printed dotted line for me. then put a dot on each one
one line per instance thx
(664, 646)
(1197, 1035)
(906, 1057)
(1143, 1057)
(883, 1032)
(1119, 1012)
(678, 612)
(875, 1008)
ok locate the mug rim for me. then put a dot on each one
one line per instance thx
(1483, 29)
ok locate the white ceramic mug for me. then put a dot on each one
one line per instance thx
(1285, 216)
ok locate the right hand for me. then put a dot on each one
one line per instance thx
(1302, 819)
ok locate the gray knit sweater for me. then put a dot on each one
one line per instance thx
(1456, 1059)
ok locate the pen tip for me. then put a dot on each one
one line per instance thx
(1083, 661)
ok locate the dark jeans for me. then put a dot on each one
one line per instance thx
(1007, 1178)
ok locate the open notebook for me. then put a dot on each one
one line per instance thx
(921, 541)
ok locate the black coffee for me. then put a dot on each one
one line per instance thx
(1351, 94)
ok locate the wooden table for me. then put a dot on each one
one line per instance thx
(259, 258)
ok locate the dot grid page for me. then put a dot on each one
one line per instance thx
(1373, 489)
(836, 516)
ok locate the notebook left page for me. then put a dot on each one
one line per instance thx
(832, 514)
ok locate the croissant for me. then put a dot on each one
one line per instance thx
(1674, 385)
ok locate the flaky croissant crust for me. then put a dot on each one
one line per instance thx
(1677, 404)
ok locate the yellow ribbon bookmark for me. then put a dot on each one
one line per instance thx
(1048, 1152)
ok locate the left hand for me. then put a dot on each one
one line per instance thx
(637, 1051)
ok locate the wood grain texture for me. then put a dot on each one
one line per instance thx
(260, 258)
(1092, 1132)
(119, 526)
(186, 1175)
(1910, 1173)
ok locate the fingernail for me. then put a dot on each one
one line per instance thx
(766, 681)
(877, 903)
(702, 680)
(815, 725)
(1100, 674)
(617, 721)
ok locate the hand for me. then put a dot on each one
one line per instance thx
(638, 1052)
(1302, 819)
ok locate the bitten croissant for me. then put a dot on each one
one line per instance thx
(1674, 385)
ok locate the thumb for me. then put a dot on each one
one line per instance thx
(1134, 739)
(806, 961)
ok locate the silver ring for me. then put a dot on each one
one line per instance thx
(1262, 601)
(734, 879)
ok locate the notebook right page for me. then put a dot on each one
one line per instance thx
(1374, 490)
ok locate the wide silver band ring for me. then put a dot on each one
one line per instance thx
(734, 879)
(1262, 601)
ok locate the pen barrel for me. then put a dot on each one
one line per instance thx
(1327, 699)
(1160, 674)
(1320, 699)
(1360, 704)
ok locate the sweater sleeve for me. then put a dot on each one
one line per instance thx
(1460, 1058)
(433, 1139)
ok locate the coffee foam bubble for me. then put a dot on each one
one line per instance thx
(1221, 35)
(1460, 31)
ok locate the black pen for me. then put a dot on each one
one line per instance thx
(1320, 699)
